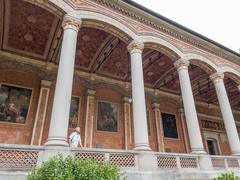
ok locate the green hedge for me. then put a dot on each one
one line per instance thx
(227, 176)
(59, 168)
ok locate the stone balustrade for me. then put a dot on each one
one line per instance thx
(25, 157)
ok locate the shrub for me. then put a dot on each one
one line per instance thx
(59, 168)
(227, 176)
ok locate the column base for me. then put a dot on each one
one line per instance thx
(198, 151)
(147, 161)
(142, 147)
(205, 163)
(51, 151)
(56, 141)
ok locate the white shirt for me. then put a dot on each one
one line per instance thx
(75, 139)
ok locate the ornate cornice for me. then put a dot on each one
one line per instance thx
(71, 23)
(165, 27)
(135, 47)
(216, 77)
(181, 64)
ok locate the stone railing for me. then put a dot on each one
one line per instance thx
(177, 161)
(18, 157)
(225, 162)
(24, 157)
(120, 158)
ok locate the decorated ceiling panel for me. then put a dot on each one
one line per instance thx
(32, 31)
(28, 29)
(89, 41)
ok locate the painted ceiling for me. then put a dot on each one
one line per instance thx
(31, 31)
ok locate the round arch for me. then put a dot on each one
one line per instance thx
(232, 73)
(161, 45)
(202, 62)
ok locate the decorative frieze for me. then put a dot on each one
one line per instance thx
(215, 125)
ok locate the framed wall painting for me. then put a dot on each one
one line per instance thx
(74, 112)
(14, 103)
(169, 125)
(107, 116)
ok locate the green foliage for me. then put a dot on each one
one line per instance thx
(59, 168)
(227, 176)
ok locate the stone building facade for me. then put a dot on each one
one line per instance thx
(130, 78)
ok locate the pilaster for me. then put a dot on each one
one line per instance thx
(41, 113)
(159, 126)
(90, 106)
(127, 123)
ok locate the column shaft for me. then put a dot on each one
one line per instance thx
(62, 97)
(227, 114)
(138, 94)
(189, 107)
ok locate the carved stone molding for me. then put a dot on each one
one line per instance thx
(70, 22)
(135, 47)
(181, 64)
(216, 77)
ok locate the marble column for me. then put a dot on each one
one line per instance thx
(226, 111)
(189, 107)
(159, 126)
(90, 108)
(62, 98)
(41, 113)
(135, 49)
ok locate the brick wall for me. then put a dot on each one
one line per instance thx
(13, 133)
(21, 133)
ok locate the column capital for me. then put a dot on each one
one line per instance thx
(216, 77)
(70, 22)
(181, 64)
(156, 105)
(135, 47)
(126, 99)
(91, 92)
(45, 83)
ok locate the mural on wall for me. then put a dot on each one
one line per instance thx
(107, 117)
(74, 113)
(169, 125)
(14, 103)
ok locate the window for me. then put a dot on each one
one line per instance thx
(169, 125)
(212, 146)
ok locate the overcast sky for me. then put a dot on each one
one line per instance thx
(218, 20)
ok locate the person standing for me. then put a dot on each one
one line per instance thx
(75, 138)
